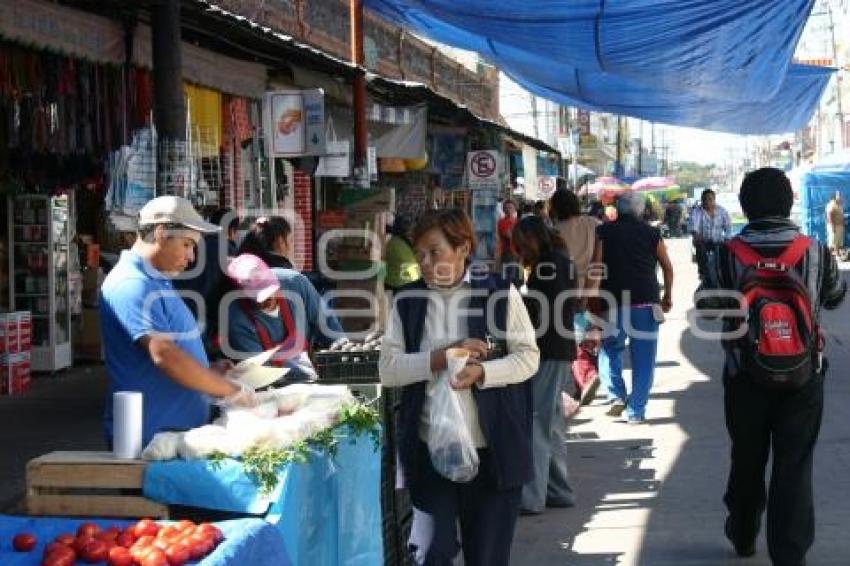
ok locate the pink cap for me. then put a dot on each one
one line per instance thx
(254, 276)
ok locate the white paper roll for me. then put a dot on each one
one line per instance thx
(127, 425)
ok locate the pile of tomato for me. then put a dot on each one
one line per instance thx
(145, 543)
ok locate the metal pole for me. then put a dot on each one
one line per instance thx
(169, 106)
(840, 112)
(361, 132)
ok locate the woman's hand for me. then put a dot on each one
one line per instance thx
(477, 348)
(471, 374)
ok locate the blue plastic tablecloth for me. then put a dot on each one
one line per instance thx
(328, 510)
(246, 541)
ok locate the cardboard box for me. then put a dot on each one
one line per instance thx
(15, 373)
(15, 332)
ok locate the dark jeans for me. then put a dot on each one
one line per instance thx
(703, 251)
(487, 518)
(789, 421)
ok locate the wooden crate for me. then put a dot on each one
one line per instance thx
(91, 484)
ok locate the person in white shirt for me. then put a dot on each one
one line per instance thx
(449, 307)
(710, 227)
(835, 223)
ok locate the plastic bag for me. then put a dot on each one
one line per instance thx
(450, 444)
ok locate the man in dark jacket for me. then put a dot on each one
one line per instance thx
(759, 418)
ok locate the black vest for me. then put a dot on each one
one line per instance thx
(503, 412)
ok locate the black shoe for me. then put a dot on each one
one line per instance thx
(744, 550)
(589, 392)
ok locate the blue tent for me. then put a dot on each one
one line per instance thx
(691, 63)
(816, 189)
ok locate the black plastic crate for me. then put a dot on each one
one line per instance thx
(348, 367)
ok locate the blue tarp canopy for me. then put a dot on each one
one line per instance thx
(685, 62)
(818, 186)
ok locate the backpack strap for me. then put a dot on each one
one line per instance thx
(789, 257)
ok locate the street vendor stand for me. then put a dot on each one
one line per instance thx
(246, 542)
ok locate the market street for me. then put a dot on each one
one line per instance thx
(652, 495)
(648, 495)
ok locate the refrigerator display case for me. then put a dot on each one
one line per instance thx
(38, 262)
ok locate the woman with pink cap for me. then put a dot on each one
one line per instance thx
(275, 307)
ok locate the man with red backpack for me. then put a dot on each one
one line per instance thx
(774, 371)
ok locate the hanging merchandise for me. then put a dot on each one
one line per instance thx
(132, 174)
(337, 159)
(205, 126)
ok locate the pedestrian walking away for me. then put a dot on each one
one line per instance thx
(631, 251)
(771, 414)
(544, 254)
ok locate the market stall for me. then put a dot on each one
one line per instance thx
(246, 541)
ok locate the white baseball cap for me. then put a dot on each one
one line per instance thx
(174, 210)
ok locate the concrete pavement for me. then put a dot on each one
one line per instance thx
(651, 495)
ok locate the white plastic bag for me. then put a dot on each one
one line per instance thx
(450, 444)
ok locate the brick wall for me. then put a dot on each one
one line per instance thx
(391, 51)
(303, 209)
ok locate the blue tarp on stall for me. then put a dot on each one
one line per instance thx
(816, 189)
(246, 541)
(327, 511)
(697, 64)
(725, 49)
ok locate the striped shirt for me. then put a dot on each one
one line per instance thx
(769, 237)
(715, 228)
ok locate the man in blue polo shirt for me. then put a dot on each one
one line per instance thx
(151, 340)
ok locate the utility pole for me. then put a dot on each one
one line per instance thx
(640, 151)
(618, 163)
(840, 112)
(361, 133)
(169, 106)
(534, 116)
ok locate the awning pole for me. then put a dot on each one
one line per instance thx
(361, 135)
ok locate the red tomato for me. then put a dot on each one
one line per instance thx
(119, 556)
(66, 539)
(126, 538)
(145, 527)
(185, 525)
(177, 554)
(23, 542)
(51, 547)
(169, 532)
(80, 543)
(111, 532)
(63, 556)
(139, 551)
(196, 548)
(94, 551)
(154, 557)
(87, 530)
(211, 531)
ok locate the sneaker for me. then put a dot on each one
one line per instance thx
(636, 420)
(589, 391)
(617, 408)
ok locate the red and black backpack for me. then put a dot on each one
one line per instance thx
(781, 342)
